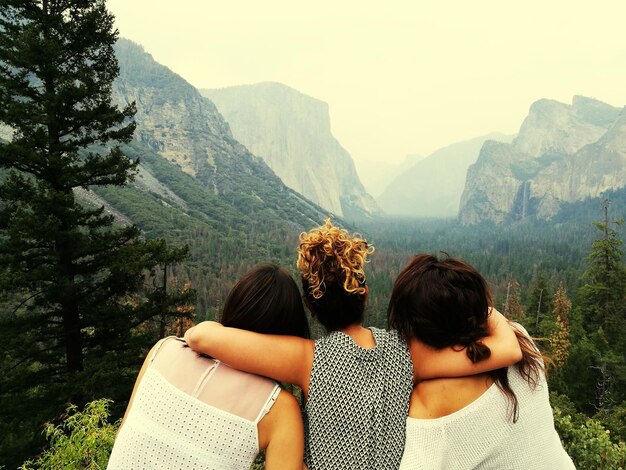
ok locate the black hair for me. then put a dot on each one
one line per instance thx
(445, 302)
(266, 300)
(441, 302)
(335, 309)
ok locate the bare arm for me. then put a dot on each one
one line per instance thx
(285, 434)
(283, 358)
(431, 363)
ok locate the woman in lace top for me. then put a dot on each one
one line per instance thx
(189, 411)
(356, 381)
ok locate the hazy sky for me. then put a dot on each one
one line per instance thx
(400, 77)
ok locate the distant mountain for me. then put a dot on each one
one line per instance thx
(291, 132)
(562, 154)
(432, 187)
(177, 122)
(376, 174)
(197, 185)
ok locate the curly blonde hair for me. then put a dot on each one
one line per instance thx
(329, 254)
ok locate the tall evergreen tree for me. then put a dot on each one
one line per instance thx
(603, 297)
(601, 346)
(68, 277)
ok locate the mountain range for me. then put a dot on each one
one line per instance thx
(377, 174)
(196, 177)
(563, 154)
(196, 184)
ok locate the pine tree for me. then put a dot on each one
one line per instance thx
(603, 297)
(602, 310)
(71, 327)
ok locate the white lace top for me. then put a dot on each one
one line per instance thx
(191, 412)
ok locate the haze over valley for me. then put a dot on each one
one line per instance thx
(281, 139)
(152, 153)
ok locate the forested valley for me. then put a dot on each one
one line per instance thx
(107, 245)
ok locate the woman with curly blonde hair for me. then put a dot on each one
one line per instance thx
(356, 381)
(331, 263)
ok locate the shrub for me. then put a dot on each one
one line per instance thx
(585, 439)
(82, 441)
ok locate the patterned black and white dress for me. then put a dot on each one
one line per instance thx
(358, 402)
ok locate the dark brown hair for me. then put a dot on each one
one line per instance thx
(266, 300)
(331, 262)
(445, 302)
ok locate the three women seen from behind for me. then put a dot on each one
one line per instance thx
(356, 381)
(495, 420)
(191, 411)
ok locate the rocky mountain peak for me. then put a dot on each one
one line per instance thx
(555, 128)
(178, 124)
(564, 153)
(432, 186)
(615, 137)
(594, 111)
(291, 132)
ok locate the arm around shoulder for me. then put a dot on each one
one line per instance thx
(284, 358)
(431, 363)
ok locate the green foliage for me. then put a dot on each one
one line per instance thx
(586, 440)
(598, 359)
(69, 278)
(538, 305)
(614, 419)
(602, 297)
(82, 441)
(223, 241)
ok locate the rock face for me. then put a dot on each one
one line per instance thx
(563, 153)
(291, 132)
(177, 122)
(432, 187)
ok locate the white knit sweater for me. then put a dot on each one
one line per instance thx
(481, 435)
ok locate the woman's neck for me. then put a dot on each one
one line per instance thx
(435, 398)
(361, 335)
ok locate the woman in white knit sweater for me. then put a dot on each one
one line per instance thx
(496, 420)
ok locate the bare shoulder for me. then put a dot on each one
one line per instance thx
(281, 433)
(286, 407)
(284, 414)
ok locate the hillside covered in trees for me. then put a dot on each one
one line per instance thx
(117, 229)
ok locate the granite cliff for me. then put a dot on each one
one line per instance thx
(291, 132)
(562, 154)
(177, 123)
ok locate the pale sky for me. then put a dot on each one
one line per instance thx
(400, 77)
